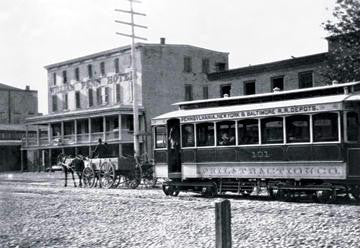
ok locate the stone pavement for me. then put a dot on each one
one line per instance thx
(37, 211)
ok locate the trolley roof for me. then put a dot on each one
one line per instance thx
(289, 107)
(333, 89)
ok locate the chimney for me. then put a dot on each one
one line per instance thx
(162, 41)
(27, 87)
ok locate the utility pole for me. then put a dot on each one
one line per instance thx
(133, 69)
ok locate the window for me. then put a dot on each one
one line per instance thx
(77, 99)
(272, 130)
(117, 92)
(205, 65)
(298, 128)
(249, 87)
(205, 134)
(77, 74)
(353, 126)
(187, 64)
(188, 92)
(54, 103)
(106, 94)
(225, 90)
(102, 68)
(128, 122)
(98, 96)
(220, 67)
(90, 71)
(305, 79)
(64, 74)
(91, 97)
(188, 136)
(116, 65)
(205, 92)
(54, 78)
(160, 137)
(225, 131)
(65, 101)
(325, 127)
(248, 132)
(277, 82)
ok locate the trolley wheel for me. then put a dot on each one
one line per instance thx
(325, 196)
(209, 191)
(246, 192)
(107, 175)
(284, 195)
(272, 193)
(170, 190)
(355, 192)
(89, 177)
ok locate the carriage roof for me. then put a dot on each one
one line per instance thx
(261, 109)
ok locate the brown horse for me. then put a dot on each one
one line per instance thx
(71, 165)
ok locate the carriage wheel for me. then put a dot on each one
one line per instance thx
(107, 175)
(89, 177)
(150, 182)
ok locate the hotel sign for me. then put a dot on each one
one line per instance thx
(95, 82)
(301, 109)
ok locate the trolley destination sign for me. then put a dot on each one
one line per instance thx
(302, 109)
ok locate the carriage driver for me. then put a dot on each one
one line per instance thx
(101, 150)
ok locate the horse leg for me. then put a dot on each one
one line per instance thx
(79, 174)
(73, 177)
(66, 172)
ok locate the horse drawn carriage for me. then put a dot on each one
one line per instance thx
(110, 172)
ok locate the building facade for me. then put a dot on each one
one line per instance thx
(295, 73)
(15, 105)
(91, 97)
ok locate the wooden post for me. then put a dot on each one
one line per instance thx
(223, 224)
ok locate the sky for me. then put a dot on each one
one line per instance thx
(36, 33)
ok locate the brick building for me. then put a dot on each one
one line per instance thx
(91, 97)
(15, 105)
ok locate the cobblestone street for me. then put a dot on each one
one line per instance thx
(37, 211)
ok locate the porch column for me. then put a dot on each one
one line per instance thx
(104, 128)
(37, 135)
(50, 159)
(120, 150)
(22, 160)
(62, 130)
(75, 131)
(119, 128)
(89, 126)
(49, 133)
(26, 135)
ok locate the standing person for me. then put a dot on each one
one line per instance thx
(100, 150)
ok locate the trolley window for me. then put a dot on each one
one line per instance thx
(353, 126)
(272, 130)
(225, 133)
(298, 128)
(205, 134)
(248, 132)
(188, 138)
(325, 127)
(160, 137)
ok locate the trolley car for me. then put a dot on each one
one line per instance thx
(289, 142)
